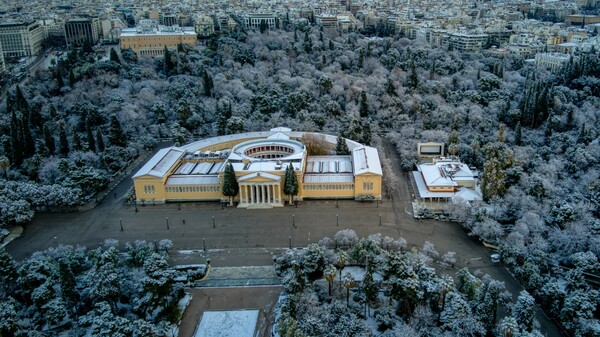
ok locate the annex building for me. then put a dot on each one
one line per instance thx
(194, 172)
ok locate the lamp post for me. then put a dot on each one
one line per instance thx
(213, 220)
(204, 244)
(135, 206)
(293, 221)
(379, 219)
(121, 223)
(337, 219)
(290, 241)
(167, 218)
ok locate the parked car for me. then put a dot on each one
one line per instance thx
(495, 257)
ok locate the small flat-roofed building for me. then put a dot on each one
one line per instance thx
(195, 171)
(430, 150)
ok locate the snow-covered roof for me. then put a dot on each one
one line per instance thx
(329, 164)
(269, 176)
(424, 192)
(235, 323)
(433, 177)
(445, 172)
(161, 162)
(191, 179)
(203, 143)
(328, 178)
(466, 194)
(366, 160)
(278, 135)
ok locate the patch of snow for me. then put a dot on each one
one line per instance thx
(236, 323)
(358, 273)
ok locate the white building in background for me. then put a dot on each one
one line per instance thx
(552, 61)
(253, 20)
(21, 39)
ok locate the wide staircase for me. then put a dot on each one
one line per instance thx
(247, 276)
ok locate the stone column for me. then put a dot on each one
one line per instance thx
(251, 194)
(269, 194)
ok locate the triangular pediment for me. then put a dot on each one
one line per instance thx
(260, 177)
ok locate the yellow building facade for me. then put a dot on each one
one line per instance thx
(152, 42)
(194, 172)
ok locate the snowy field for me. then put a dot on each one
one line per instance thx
(236, 323)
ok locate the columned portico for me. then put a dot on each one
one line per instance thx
(260, 190)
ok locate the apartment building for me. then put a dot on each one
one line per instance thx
(20, 39)
(327, 20)
(253, 20)
(468, 42)
(204, 25)
(552, 61)
(152, 41)
(80, 31)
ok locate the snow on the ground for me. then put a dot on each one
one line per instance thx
(235, 323)
(358, 273)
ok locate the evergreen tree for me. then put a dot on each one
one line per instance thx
(114, 56)
(341, 148)
(35, 119)
(116, 136)
(90, 136)
(331, 45)
(453, 137)
(263, 26)
(72, 78)
(413, 78)
(492, 181)
(76, 141)
(364, 107)
(230, 184)
(167, 67)
(99, 141)
(64, 142)
(502, 133)
(21, 102)
(523, 311)
(361, 58)
(518, 135)
(59, 80)
(16, 140)
(28, 143)
(432, 71)
(207, 83)
(390, 88)
(290, 185)
(49, 140)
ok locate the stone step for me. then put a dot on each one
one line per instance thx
(225, 283)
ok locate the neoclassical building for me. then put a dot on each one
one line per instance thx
(194, 172)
